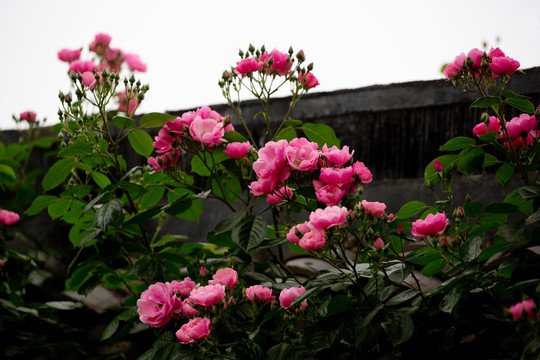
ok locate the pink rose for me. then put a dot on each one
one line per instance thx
(188, 310)
(247, 66)
(337, 176)
(328, 194)
(526, 308)
(279, 195)
(302, 154)
(207, 295)
(482, 129)
(237, 150)
(308, 81)
(495, 52)
(8, 217)
(68, 55)
(82, 66)
(207, 131)
(438, 166)
(134, 62)
(313, 240)
(264, 185)
(476, 56)
(329, 217)
(335, 156)
(29, 116)
(520, 125)
(363, 173)
(432, 225)
(451, 70)
(196, 329)
(226, 276)
(183, 287)
(164, 161)
(376, 209)
(88, 79)
(459, 60)
(504, 65)
(378, 244)
(297, 231)
(165, 141)
(158, 304)
(259, 294)
(203, 271)
(271, 168)
(280, 62)
(100, 43)
(287, 296)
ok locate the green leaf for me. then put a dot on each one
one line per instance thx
(501, 208)
(292, 123)
(398, 326)
(108, 214)
(510, 94)
(489, 137)
(521, 104)
(155, 119)
(450, 300)
(152, 196)
(234, 136)
(57, 173)
(458, 143)
(7, 172)
(489, 160)
(249, 233)
(433, 267)
(230, 221)
(45, 142)
(228, 188)
(63, 305)
(141, 142)
(402, 297)
(40, 203)
(123, 122)
(59, 208)
(201, 162)
(101, 179)
(529, 192)
(321, 134)
(410, 209)
(278, 352)
(447, 161)
(473, 209)
(110, 329)
(339, 303)
(486, 101)
(504, 173)
(286, 134)
(473, 248)
(471, 162)
(76, 149)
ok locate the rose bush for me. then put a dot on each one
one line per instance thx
(295, 192)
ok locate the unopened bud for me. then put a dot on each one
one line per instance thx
(438, 166)
(132, 79)
(485, 118)
(251, 48)
(310, 67)
(300, 56)
(291, 51)
(458, 213)
(241, 53)
(468, 198)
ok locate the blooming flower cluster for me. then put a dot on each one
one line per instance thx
(162, 302)
(524, 309)
(204, 127)
(521, 130)
(478, 63)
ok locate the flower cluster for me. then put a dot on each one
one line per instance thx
(521, 130)
(524, 309)
(203, 127)
(162, 302)
(481, 65)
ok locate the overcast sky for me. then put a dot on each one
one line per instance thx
(188, 44)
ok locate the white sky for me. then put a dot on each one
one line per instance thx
(188, 44)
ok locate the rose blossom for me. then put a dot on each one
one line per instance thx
(459, 60)
(363, 173)
(524, 306)
(379, 243)
(280, 194)
(247, 66)
(164, 161)
(519, 125)
(292, 235)
(287, 296)
(124, 105)
(328, 194)
(88, 79)
(207, 295)
(207, 131)
(336, 176)
(302, 154)
(438, 166)
(226, 276)
(375, 208)
(271, 168)
(157, 304)
(329, 217)
(82, 66)
(68, 55)
(8, 217)
(188, 310)
(237, 150)
(164, 141)
(196, 329)
(432, 225)
(335, 156)
(313, 240)
(309, 81)
(451, 70)
(481, 128)
(134, 62)
(280, 62)
(184, 287)
(259, 294)
(476, 56)
(100, 43)
(29, 116)
(495, 52)
(504, 65)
